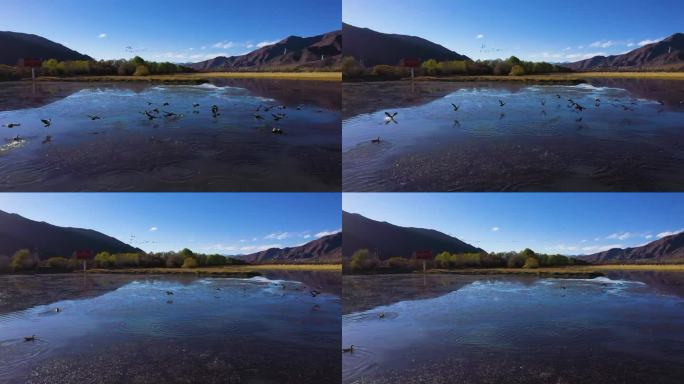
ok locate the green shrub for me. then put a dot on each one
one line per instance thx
(350, 68)
(517, 70)
(23, 260)
(190, 262)
(531, 263)
(174, 260)
(141, 70)
(58, 263)
(443, 260)
(103, 260)
(362, 260)
(400, 263)
(216, 260)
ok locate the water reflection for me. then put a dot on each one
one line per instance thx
(179, 144)
(607, 135)
(177, 329)
(512, 330)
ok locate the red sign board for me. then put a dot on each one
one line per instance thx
(84, 254)
(411, 63)
(424, 255)
(30, 62)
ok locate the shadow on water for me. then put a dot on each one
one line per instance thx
(513, 330)
(612, 135)
(175, 329)
(182, 147)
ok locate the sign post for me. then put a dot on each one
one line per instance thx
(32, 63)
(413, 64)
(84, 255)
(424, 255)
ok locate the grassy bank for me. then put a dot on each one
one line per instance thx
(199, 78)
(581, 271)
(563, 78)
(225, 271)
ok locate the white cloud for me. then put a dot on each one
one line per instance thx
(265, 43)
(102, 35)
(326, 233)
(647, 41)
(630, 44)
(669, 233)
(495, 229)
(584, 55)
(600, 248)
(153, 229)
(602, 44)
(277, 235)
(568, 49)
(480, 36)
(224, 44)
(649, 236)
(259, 248)
(620, 236)
(203, 47)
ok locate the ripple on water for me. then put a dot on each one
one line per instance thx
(17, 352)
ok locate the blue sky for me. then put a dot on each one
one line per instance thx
(548, 30)
(169, 30)
(571, 224)
(223, 223)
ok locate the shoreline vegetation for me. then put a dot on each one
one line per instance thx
(511, 69)
(138, 69)
(525, 263)
(199, 77)
(185, 261)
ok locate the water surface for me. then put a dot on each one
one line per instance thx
(628, 137)
(125, 150)
(484, 329)
(210, 330)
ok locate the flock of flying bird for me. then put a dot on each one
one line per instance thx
(156, 113)
(573, 105)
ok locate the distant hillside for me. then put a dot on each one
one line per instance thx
(294, 51)
(15, 46)
(326, 249)
(373, 48)
(667, 54)
(668, 248)
(17, 232)
(390, 240)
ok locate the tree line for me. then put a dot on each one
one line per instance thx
(513, 66)
(24, 260)
(364, 260)
(136, 66)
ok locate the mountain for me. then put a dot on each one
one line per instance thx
(294, 51)
(17, 232)
(667, 54)
(325, 249)
(17, 45)
(373, 48)
(668, 248)
(390, 240)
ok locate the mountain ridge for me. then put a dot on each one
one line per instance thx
(17, 45)
(324, 50)
(48, 240)
(326, 249)
(665, 54)
(374, 48)
(664, 249)
(389, 240)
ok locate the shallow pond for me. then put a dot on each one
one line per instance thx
(485, 329)
(101, 139)
(625, 135)
(156, 329)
